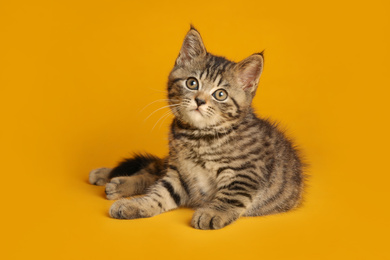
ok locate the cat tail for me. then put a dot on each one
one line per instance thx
(138, 164)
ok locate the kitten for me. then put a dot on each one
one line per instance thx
(223, 161)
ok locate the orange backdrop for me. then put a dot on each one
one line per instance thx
(76, 78)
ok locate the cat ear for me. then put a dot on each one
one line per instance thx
(249, 71)
(192, 47)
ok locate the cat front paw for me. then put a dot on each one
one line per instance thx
(128, 209)
(212, 219)
(99, 176)
(115, 189)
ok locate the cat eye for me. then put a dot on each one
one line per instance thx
(192, 83)
(220, 95)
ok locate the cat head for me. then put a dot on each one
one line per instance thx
(207, 91)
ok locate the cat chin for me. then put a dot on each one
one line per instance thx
(196, 119)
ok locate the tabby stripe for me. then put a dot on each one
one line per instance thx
(207, 70)
(238, 185)
(220, 81)
(206, 137)
(240, 168)
(231, 158)
(246, 128)
(219, 207)
(253, 187)
(284, 205)
(234, 188)
(249, 135)
(292, 197)
(157, 194)
(227, 158)
(218, 152)
(171, 83)
(265, 172)
(174, 133)
(212, 71)
(261, 180)
(255, 175)
(250, 126)
(248, 178)
(251, 142)
(224, 67)
(183, 183)
(271, 165)
(256, 152)
(232, 117)
(227, 161)
(176, 80)
(278, 193)
(172, 167)
(171, 191)
(201, 74)
(207, 73)
(215, 75)
(233, 202)
(198, 133)
(214, 154)
(237, 193)
(244, 194)
(158, 202)
(236, 104)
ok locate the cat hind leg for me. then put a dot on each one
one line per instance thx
(131, 177)
(126, 186)
(132, 166)
(99, 176)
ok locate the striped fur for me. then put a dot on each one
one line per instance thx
(223, 160)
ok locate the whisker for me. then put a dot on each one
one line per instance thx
(158, 100)
(170, 106)
(157, 90)
(164, 115)
(165, 118)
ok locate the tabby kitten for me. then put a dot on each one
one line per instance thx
(223, 160)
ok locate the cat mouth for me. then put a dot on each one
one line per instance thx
(196, 110)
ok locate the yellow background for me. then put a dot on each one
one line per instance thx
(76, 75)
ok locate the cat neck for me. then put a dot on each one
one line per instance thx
(179, 126)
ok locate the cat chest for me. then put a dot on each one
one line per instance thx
(200, 180)
(196, 168)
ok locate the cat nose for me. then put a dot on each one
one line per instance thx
(200, 101)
